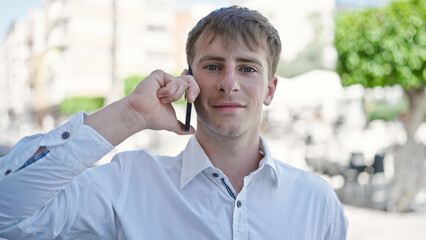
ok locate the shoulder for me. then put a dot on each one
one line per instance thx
(123, 162)
(140, 160)
(302, 180)
(143, 163)
(134, 155)
(312, 191)
(136, 165)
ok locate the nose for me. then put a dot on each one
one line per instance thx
(228, 83)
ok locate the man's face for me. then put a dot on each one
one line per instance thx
(233, 88)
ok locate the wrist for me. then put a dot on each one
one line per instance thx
(132, 119)
(115, 122)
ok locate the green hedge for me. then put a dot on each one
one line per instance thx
(386, 111)
(76, 104)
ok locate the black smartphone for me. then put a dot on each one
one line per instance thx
(188, 110)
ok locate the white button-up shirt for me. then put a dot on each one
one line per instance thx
(143, 196)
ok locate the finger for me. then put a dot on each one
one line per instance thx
(193, 89)
(173, 91)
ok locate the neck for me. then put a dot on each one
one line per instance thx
(236, 157)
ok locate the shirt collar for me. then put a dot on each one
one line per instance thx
(195, 160)
(268, 160)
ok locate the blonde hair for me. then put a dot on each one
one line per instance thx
(235, 25)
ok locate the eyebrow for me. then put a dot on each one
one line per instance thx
(212, 58)
(222, 59)
(249, 60)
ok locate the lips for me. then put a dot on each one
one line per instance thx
(227, 107)
(228, 104)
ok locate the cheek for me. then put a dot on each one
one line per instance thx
(257, 99)
(203, 88)
(205, 85)
(203, 92)
(202, 97)
(259, 94)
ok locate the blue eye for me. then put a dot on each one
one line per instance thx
(248, 69)
(212, 67)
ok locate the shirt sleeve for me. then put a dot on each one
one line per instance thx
(44, 186)
(337, 221)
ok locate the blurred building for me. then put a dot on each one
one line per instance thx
(300, 23)
(15, 78)
(81, 48)
(3, 89)
(186, 19)
(86, 48)
(96, 44)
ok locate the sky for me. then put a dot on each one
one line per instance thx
(10, 10)
(362, 3)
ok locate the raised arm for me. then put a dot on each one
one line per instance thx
(147, 107)
(43, 177)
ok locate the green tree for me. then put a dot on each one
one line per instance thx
(74, 105)
(385, 47)
(131, 82)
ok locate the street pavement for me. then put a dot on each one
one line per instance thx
(368, 224)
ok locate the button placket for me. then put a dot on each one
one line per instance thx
(240, 229)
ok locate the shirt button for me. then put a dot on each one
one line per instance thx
(215, 175)
(8, 172)
(238, 203)
(65, 135)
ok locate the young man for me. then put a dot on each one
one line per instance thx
(224, 185)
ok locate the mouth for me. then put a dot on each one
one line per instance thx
(228, 107)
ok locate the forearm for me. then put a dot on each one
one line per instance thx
(115, 122)
(72, 148)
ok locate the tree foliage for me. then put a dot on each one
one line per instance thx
(386, 47)
(76, 104)
(383, 47)
(131, 82)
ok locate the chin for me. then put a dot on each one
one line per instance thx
(228, 132)
(223, 128)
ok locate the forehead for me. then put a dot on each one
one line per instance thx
(235, 39)
(227, 45)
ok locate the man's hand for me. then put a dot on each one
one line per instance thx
(151, 100)
(147, 107)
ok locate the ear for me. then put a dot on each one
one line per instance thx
(272, 85)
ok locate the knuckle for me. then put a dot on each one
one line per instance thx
(174, 98)
(157, 71)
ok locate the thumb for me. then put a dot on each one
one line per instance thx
(180, 129)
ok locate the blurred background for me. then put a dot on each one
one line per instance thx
(349, 106)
